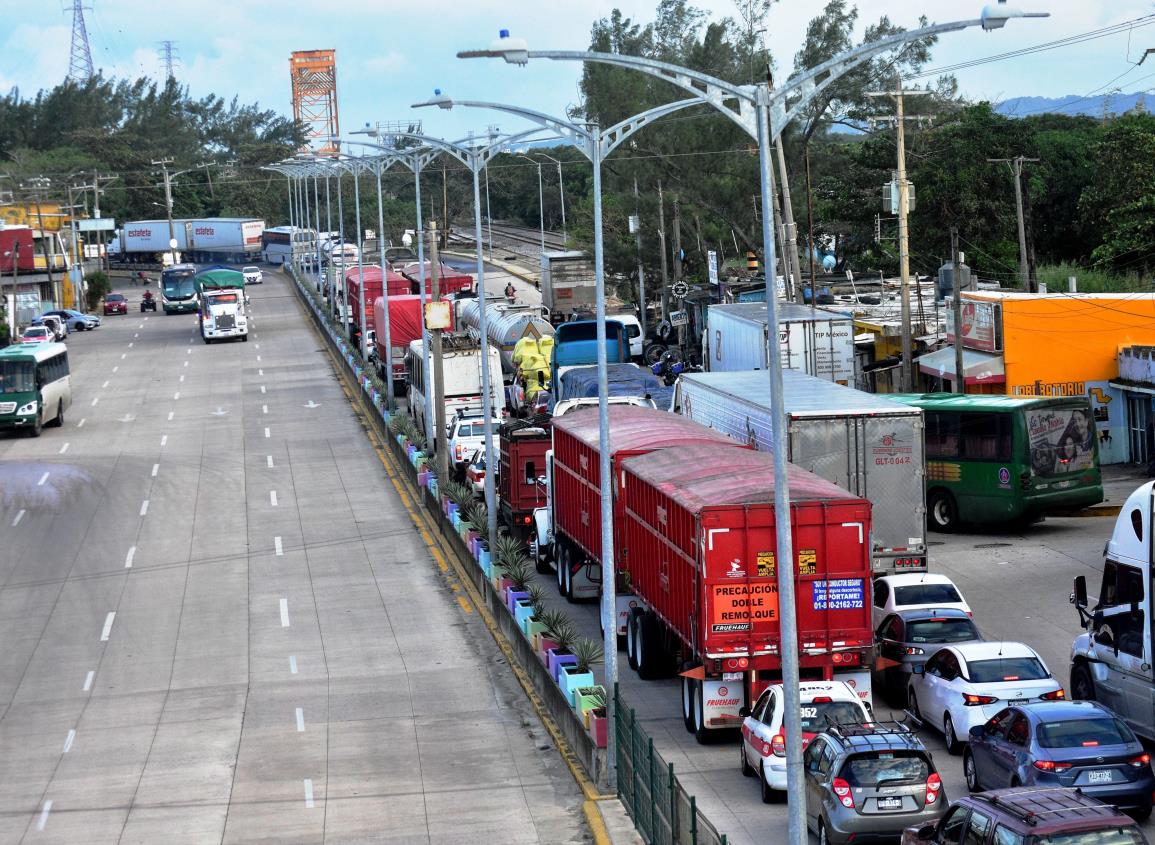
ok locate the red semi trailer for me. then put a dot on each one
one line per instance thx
(575, 516)
(404, 328)
(519, 489)
(374, 284)
(698, 548)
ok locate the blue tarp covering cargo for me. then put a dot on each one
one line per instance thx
(576, 343)
(624, 380)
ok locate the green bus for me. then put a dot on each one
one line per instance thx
(178, 294)
(35, 388)
(993, 459)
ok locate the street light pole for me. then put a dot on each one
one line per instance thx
(540, 199)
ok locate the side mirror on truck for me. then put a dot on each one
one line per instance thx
(1079, 597)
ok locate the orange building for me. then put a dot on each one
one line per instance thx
(1057, 344)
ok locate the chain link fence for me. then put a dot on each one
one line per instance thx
(663, 812)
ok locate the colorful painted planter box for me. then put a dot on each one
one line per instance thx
(513, 596)
(570, 680)
(522, 611)
(557, 660)
(599, 727)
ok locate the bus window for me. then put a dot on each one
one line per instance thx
(17, 376)
(942, 435)
(986, 437)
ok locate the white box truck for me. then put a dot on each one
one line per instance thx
(864, 443)
(818, 342)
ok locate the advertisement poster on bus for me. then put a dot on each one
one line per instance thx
(1062, 439)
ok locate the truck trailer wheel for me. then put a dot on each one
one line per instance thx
(649, 645)
(563, 563)
(632, 636)
(688, 685)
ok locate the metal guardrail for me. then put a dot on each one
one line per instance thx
(662, 810)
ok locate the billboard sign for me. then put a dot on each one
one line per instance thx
(982, 324)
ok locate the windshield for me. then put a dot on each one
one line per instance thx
(178, 284)
(17, 376)
(927, 594)
(115, 297)
(878, 768)
(944, 630)
(1007, 669)
(1084, 733)
(816, 715)
(1108, 836)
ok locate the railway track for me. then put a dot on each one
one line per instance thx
(522, 240)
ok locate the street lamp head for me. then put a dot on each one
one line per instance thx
(438, 99)
(515, 51)
(996, 17)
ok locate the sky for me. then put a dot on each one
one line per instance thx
(391, 54)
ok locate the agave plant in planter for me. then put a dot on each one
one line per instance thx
(532, 626)
(587, 654)
(589, 698)
(518, 574)
(508, 548)
(557, 640)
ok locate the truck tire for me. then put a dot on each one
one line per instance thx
(1082, 684)
(649, 644)
(540, 561)
(632, 636)
(562, 568)
(688, 703)
(568, 575)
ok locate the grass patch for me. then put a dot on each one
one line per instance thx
(1055, 276)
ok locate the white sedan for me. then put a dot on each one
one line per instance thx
(963, 685)
(763, 745)
(915, 591)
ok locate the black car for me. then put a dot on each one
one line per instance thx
(909, 638)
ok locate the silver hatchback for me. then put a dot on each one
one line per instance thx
(868, 782)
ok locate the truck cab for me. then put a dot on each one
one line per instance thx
(1111, 662)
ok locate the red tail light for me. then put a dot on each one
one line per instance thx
(778, 745)
(1051, 766)
(1057, 695)
(933, 788)
(845, 658)
(842, 790)
(971, 700)
(1140, 761)
(457, 451)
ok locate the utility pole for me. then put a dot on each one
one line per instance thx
(641, 270)
(810, 236)
(960, 382)
(444, 206)
(1016, 165)
(163, 164)
(15, 291)
(662, 238)
(678, 264)
(39, 183)
(441, 445)
(789, 230)
(899, 95)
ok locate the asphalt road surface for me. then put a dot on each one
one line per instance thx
(218, 624)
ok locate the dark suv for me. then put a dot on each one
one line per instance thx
(1029, 816)
(867, 782)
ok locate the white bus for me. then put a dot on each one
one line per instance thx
(462, 368)
(35, 387)
(279, 243)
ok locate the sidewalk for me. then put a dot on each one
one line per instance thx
(1119, 482)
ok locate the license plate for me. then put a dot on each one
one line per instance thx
(889, 803)
(1099, 776)
(1014, 701)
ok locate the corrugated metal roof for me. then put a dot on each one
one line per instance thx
(632, 428)
(806, 395)
(701, 475)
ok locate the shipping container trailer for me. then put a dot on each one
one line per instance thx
(404, 328)
(814, 341)
(575, 479)
(232, 239)
(375, 283)
(867, 444)
(152, 236)
(521, 478)
(568, 284)
(17, 251)
(699, 549)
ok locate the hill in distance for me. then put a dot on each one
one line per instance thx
(1095, 106)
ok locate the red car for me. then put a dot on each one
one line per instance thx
(115, 303)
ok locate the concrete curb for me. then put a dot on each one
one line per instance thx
(504, 266)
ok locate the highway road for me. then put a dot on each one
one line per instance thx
(220, 625)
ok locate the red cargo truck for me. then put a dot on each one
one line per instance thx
(17, 251)
(450, 282)
(519, 491)
(699, 550)
(575, 477)
(404, 328)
